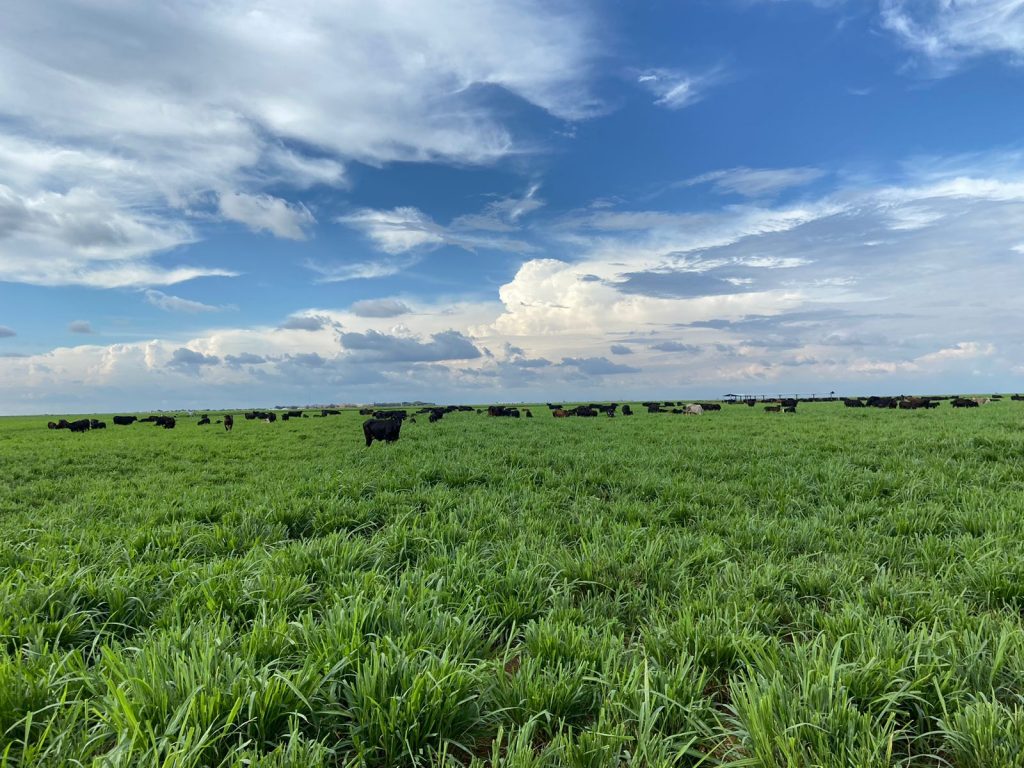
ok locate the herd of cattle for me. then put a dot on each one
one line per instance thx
(386, 425)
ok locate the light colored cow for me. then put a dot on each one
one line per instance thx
(693, 410)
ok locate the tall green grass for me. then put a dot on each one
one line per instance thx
(835, 588)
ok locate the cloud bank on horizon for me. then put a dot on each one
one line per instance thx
(224, 205)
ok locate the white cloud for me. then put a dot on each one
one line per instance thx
(170, 303)
(757, 182)
(755, 297)
(264, 213)
(379, 308)
(948, 33)
(675, 89)
(964, 350)
(396, 231)
(104, 161)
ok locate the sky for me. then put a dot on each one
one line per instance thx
(218, 203)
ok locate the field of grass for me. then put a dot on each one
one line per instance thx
(832, 588)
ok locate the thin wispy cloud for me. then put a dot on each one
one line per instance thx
(675, 89)
(948, 33)
(170, 303)
(756, 182)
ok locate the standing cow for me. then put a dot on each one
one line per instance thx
(381, 429)
(229, 422)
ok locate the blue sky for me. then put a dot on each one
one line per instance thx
(229, 203)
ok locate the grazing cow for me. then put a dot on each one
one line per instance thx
(124, 421)
(789, 409)
(330, 412)
(167, 422)
(63, 424)
(52, 425)
(694, 410)
(435, 415)
(585, 411)
(82, 425)
(148, 420)
(528, 414)
(963, 402)
(294, 414)
(503, 410)
(555, 407)
(982, 400)
(853, 403)
(560, 413)
(1018, 398)
(381, 429)
(626, 410)
(772, 408)
(229, 422)
(654, 408)
(751, 402)
(204, 421)
(711, 406)
(97, 424)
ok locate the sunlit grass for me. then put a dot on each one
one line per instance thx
(832, 588)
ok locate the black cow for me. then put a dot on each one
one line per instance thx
(1018, 398)
(626, 410)
(585, 411)
(294, 414)
(503, 410)
(710, 406)
(229, 422)
(124, 421)
(148, 420)
(528, 414)
(204, 421)
(97, 424)
(381, 429)
(789, 409)
(82, 425)
(52, 425)
(167, 422)
(963, 402)
(435, 415)
(853, 403)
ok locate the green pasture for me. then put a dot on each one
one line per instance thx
(835, 588)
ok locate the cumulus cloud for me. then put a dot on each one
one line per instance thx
(189, 361)
(245, 358)
(80, 326)
(377, 346)
(379, 308)
(306, 323)
(265, 213)
(170, 303)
